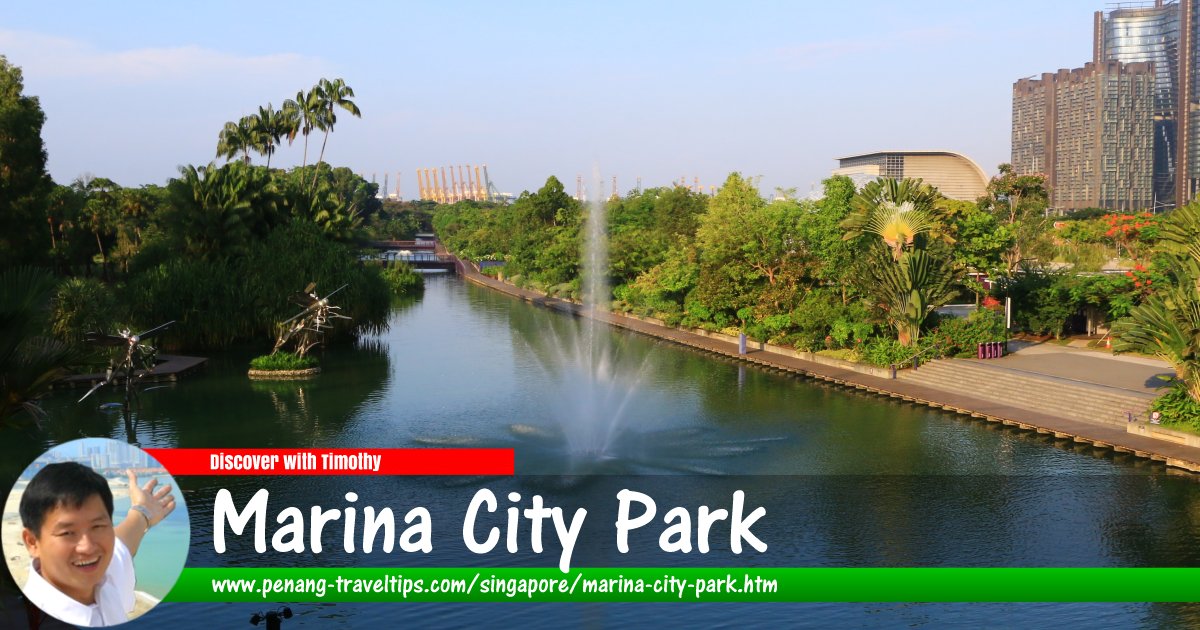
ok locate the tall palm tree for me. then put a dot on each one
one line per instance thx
(333, 94)
(269, 128)
(308, 113)
(289, 120)
(239, 137)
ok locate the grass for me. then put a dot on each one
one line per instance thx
(283, 361)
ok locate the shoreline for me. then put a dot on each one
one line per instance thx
(1103, 437)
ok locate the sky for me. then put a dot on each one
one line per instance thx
(659, 91)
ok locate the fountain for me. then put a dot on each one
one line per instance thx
(596, 427)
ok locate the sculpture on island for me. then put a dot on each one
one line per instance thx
(306, 328)
(302, 331)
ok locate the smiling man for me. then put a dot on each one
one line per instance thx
(82, 569)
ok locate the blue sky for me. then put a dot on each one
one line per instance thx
(660, 90)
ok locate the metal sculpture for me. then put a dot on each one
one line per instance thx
(137, 362)
(306, 327)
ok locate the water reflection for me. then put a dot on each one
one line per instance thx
(855, 481)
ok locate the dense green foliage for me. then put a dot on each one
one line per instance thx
(1167, 322)
(1179, 410)
(228, 298)
(219, 249)
(24, 184)
(403, 280)
(283, 361)
(30, 360)
(80, 306)
(783, 271)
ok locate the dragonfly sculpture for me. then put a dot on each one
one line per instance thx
(136, 362)
(306, 327)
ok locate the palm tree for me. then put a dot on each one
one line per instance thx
(238, 137)
(308, 112)
(905, 280)
(908, 289)
(333, 94)
(896, 211)
(100, 212)
(263, 127)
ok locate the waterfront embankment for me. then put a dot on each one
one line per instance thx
(1018, 414)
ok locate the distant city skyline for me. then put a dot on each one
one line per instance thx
(662, 92)
(102, 454)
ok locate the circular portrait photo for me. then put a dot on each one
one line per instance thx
(95, 532)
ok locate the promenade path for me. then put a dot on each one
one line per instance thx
(1051, 363)
(1139, 374)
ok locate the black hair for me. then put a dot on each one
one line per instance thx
(63, 484)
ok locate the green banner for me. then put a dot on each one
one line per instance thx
(400, 584)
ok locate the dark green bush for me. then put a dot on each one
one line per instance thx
(961, 336)
(82, 305)
(226, 299)
(1177, 408)
(882, 351)
(403, 280)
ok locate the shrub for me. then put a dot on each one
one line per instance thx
(402, 279)
(961, 336)
(82, 305)
(283, 361)
(1178, 409)
(882, 351)
(227, 299)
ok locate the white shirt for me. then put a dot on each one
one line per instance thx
(114, 596)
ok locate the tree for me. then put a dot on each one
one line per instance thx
(24, 184)
(1167, 322)
(1018, 201)
(907, 290)
(902, 274)
(220, 211)
(239, 137)
(333, 95)
(270, 127)
(822, 235)
(30, 362)
(896, 211)
(750, 255)
(100, 213)
(980, 241)
(308, 113)
(726, 284)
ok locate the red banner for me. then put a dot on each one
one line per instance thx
(335, 461)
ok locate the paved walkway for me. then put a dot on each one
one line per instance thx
(1099, 436)
(1138, 374)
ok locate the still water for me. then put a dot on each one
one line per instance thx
(848, 479)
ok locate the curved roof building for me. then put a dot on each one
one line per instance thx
(955, 175)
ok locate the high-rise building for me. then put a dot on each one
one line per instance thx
(1167, 34)
(1091, 132)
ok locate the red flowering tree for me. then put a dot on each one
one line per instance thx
(1131, 232)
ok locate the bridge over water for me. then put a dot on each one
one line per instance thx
(416, 254)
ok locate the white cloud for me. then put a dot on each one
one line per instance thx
(52, 57)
